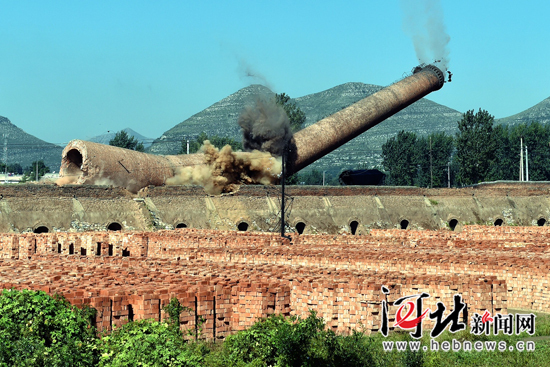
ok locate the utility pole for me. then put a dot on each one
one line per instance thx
(431, 168)
(6, 158)
(283, 177)
(324, 177)
(36, 171)
(449, 174)
(187, 146)
(521, 160)
(526, 165)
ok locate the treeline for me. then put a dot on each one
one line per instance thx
(479, 152)
(29, 173)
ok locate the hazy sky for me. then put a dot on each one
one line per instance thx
(76, 69)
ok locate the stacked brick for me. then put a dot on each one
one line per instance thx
(228, 280)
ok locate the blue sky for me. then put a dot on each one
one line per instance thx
(76, 69)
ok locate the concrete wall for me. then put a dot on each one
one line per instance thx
(23, 208)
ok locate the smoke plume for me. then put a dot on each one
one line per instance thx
(225, 170)
(249, 74)
(265, 127)
(423, 21)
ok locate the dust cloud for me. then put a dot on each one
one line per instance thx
(224, 170)
(67, 180)
(266, 132)
(101, 180)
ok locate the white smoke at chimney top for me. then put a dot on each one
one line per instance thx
(423, 22)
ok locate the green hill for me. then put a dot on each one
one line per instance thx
(106, 138)
(218, 119)
(539, 112)
(24, 148)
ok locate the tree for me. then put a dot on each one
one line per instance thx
(217, 141)
(293, 179)
(507, 157)
(506, 165)
(399, 157)
(433, 153)
(536, 138)
(476, 147)
(296, 116)
(12, 168)
(311, 177)
(30, 171)
(39, 330)
(147, 343)
(123, 140)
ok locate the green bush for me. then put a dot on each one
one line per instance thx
(279, 341)
(147, 343)
(37, 330)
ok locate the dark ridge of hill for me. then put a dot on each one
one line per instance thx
(24, 148)
(422, 117)
(106, 138)
(218, 119)
(539, 112)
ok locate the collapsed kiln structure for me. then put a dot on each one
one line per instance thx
(91, 163)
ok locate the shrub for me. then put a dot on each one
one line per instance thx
(147, 343)
(37, 329)
(279, 341)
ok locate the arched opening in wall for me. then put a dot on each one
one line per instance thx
(130, 313)
(452, 224)
(41, 229)
(243, 226)
(110, 250)
(353, 226)
(125, 252)
(300, 227)
(58, 248)
(83, 251)
(114, 227)
(71, 249)
(181, 225)
(74, 164)
(98, 249)
(498, 222)
(404, 224)
(541, 222)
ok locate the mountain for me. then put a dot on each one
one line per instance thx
(24, 148)
(422, 117)
(539, 112)
(218, 119)
(106, 138)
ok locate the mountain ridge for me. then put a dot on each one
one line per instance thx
(106, 138)
(539, 112)
(24, 148)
